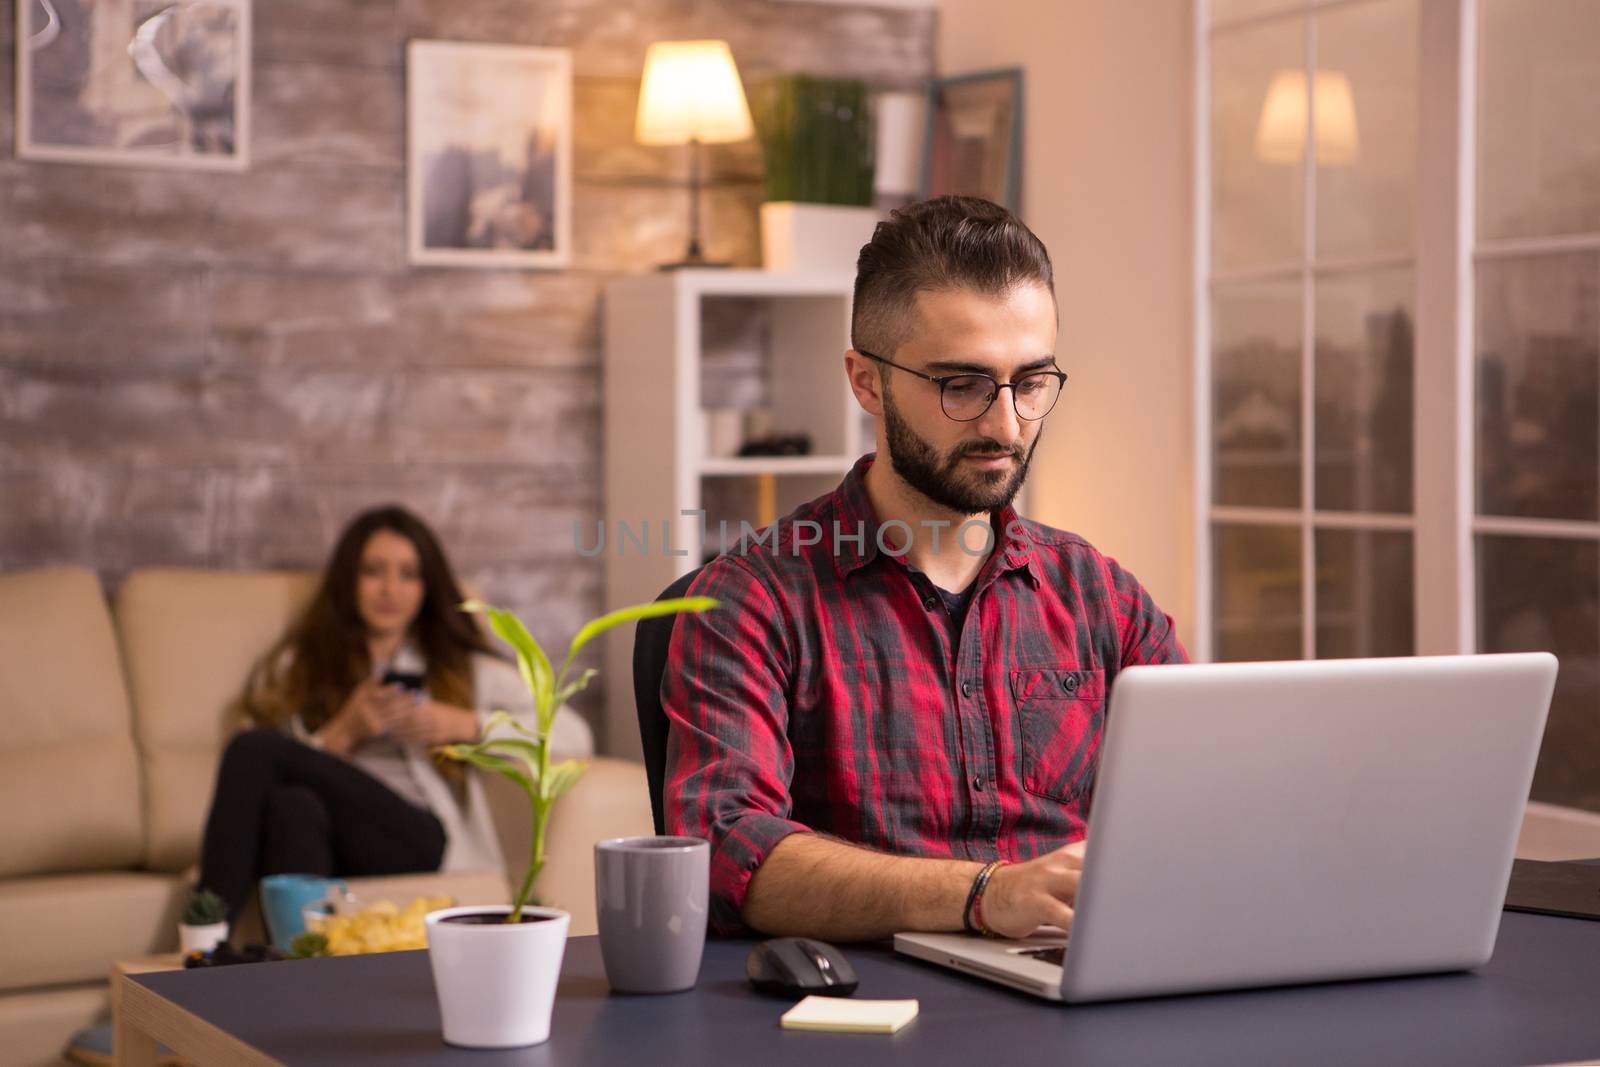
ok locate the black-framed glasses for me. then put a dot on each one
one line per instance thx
(966, 396)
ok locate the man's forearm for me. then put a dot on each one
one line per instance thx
(819, 887)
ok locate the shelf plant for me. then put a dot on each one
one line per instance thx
(816, 140)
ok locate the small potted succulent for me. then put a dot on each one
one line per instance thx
(203, 924)
(495, 968)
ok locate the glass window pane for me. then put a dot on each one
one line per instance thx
(1366, 128)
(1543, 594)
(1364, 593)
(1258, 124)
(1255, 407)
(1539, 387)
(1538, 140)
(1256, 576)
(1364, 376)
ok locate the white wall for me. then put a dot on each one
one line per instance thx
(1108, 187)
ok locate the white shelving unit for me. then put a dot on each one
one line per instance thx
(656, 462)
(745, 465)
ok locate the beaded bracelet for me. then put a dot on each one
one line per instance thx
(977, 914)
(977, 905)
(974, 909)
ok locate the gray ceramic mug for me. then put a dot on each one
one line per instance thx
(651, 895)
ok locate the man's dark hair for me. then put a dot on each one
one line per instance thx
(950, 242)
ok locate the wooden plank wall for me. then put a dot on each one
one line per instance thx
(219, 370)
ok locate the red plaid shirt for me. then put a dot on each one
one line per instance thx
(825, 694)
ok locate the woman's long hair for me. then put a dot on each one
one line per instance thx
(313, 668)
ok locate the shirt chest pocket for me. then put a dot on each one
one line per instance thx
(1061, 716)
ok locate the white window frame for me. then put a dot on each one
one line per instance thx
(1441, 522)
(1445, 522)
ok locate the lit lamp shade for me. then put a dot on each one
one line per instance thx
(1281, 134)
(691, 92)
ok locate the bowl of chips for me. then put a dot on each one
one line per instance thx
(378, 927)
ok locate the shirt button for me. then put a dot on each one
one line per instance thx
(1070, 683)
(930, 603)
(966, 689)
(977, 782)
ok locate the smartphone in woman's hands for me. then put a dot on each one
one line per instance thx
(410, 681)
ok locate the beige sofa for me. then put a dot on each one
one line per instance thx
(112, 727)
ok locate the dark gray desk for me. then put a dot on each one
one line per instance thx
(1537, 1002)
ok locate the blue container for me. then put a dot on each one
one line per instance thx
(283, 901)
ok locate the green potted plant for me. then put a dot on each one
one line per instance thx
(818, 147)
(495, 968)
(203, 924)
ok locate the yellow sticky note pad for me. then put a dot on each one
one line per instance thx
(850, 1016)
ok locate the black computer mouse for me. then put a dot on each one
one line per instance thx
(796, 967)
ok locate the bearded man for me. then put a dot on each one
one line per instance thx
(893, 722)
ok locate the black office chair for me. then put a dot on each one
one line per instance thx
(650, 642)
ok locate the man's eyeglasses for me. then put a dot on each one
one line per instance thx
(965, 397)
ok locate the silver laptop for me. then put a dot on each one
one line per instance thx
(1259, 824)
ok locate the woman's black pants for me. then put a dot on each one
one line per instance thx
(281, 807)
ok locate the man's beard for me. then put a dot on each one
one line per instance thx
(940, 478)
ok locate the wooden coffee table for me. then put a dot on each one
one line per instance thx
(141, 1022)
(123, 1040)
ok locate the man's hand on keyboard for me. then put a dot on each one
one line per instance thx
(1021, 897)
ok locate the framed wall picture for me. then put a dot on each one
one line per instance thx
(162, 83)
(973, 145)
(488, 155)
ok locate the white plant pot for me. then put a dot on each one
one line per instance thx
(797, 236)
(496, 982)
(201, 938)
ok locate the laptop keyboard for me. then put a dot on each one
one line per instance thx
(1056, 954)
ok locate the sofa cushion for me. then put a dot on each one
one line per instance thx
(73, 927)
(65, 710)
(35, 1027)
(190, 638)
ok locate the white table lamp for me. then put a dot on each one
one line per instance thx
(691, 95)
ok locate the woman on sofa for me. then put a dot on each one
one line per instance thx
(336, 777)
